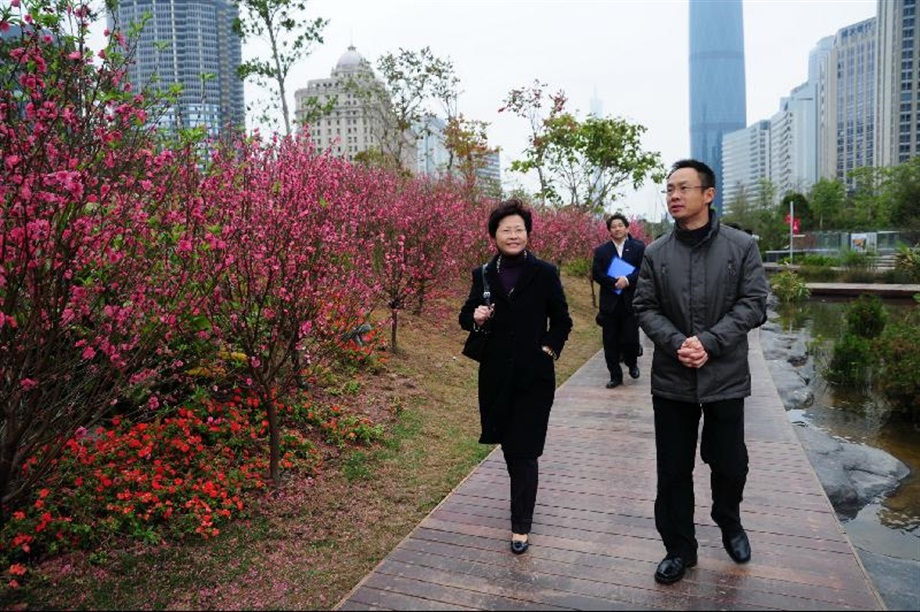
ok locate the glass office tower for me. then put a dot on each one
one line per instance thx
(717, 98)
(190, 43)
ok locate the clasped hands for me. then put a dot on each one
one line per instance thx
(692, 353)
(482, 314)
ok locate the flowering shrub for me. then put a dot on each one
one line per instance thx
(182, 474)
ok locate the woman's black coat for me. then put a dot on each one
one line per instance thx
(517, 380)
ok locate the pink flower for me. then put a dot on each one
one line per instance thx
(28, 384)
(75, 55)
(88, 353)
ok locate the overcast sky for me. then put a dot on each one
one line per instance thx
(633, 53)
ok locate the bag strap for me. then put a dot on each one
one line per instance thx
(486, 293)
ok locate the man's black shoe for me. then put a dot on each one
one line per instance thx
(672, 568)
(613, 384)
(737, 546)
(634, 372)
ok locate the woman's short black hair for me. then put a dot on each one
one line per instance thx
(514, 206)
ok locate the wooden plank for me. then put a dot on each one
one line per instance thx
(594, 544)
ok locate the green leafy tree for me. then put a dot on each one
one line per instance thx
(593, 158)
(865, 207)
(901, 193)
(469, 146)
(531, 103)
(290, 39)
(826, 201)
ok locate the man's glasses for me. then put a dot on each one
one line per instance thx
(683, 189)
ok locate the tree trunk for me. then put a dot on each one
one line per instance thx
(274, 441)
(394, 323)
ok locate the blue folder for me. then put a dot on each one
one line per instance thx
(620, 267)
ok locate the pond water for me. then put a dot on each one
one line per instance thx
(890, 526)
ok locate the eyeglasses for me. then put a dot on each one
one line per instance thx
(683, 189)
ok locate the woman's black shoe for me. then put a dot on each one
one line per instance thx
(519, 546)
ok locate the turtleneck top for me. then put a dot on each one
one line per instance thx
(509, 270)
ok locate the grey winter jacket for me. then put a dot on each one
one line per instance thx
(715, 290)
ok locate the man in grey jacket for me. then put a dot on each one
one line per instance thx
(701, 289)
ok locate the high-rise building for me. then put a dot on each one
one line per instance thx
(189, 43)
(490, 174)
(433, 156)
(717, 94)
(846, 127)
(897, 97)
(745, 163)
(359, 119)
(793, 141)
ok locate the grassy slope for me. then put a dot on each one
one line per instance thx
(308, 544)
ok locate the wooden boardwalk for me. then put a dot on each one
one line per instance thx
(594, 544)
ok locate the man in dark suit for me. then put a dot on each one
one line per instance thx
(616, 317)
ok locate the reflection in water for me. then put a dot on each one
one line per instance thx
(861, 415)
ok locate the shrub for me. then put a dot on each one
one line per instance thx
(898, 372)
(818, 273)
(866, 316)
(907, 261)
(849, 361)
(789, 287)
(818, 261)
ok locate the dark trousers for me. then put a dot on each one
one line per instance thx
(722, 447)
(621, 339)
(524, 473)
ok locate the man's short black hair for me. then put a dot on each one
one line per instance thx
(707, 176)
(617, 215)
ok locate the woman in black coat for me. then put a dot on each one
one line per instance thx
(526, 327)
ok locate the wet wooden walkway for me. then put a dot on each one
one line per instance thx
(594, 544)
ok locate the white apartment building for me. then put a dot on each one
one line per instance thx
(356, 123)
(745, 163)
(793, 142)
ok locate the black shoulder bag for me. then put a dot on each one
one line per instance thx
(475, 345)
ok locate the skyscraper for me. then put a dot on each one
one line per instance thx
(190, 43)
(717, 95)
(846, 131)
(897, 101)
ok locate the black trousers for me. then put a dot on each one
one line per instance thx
(621, 339)
(524, 473)
(722, 447)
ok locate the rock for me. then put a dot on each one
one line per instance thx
(852, 474)
(895, 579)
(792, 388)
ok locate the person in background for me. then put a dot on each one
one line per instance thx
(619, 325)
(527, 326)
(701, 289)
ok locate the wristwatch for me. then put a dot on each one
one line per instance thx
(549, 352)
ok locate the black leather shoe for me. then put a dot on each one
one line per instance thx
(519, 547)
(613, 384)
(672, 568)
(634, 371)
(737, 546)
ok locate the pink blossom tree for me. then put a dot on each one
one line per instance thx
(88, 291)
(289, 262)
